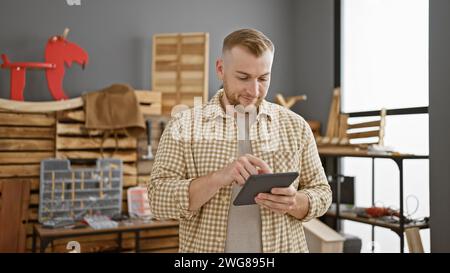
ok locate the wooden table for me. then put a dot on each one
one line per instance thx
(47, 235)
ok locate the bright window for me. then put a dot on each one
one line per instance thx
(385, 64)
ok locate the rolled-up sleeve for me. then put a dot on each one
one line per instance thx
(313, 181)
(168, 187)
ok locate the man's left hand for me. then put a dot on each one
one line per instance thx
(285, 200)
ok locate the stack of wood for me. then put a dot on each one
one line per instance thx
(25, 140)
(28, 135)
(180, 68)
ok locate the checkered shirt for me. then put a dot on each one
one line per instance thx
(203, 139)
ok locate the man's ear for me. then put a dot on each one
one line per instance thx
(219, 68)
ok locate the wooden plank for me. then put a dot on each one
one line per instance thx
(33, 214)
(193, 39)
(149, 103)
(27, 119)
(143, 180)
(76, 129)
(165, 76)
(167, 89)
(19, 170)
(165, 40)
(24, 157)
(364, 124)
(127, 168)
(343, 118)
(27, 132)
(153, 109)
(333, 116)
(414, 241)
(196, 89)
(192, 59)
(191, 75)
(153, 243)
(130, 169)
(34, 199)
(126, 156)
(13, 216)
(145, 96)
(171, 66)
(322, 239)
(163, 250)
(73, 143)
(166, 58)
(375, 133)
(175, 34)
(191, 81)
(166, 49)
(33, 181)
(26, 145)
(77, 115)
(38, 107)
(130, 181)
(193, 49)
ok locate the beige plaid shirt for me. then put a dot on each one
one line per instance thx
(204, 139)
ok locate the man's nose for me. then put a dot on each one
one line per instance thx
(254, 88)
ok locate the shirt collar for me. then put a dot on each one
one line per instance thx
(213, 108)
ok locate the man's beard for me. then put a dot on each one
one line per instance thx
(234, 100)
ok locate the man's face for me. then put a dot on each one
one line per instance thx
(246, 78)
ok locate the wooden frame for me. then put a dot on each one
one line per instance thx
(180, 64)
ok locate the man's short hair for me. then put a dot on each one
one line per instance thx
(251, 39)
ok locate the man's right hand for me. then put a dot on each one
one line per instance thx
(240, 169)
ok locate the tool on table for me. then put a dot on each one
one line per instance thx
(149, 154)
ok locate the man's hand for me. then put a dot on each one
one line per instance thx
(240, 169)
(285, 200)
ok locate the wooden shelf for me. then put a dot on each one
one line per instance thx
(346, 151)
(377, 222)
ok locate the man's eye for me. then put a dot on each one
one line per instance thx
(243, 78)
(263, 79)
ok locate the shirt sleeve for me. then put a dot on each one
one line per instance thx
(168, 187)
(313, 181)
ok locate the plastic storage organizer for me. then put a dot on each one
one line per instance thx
(70, 194)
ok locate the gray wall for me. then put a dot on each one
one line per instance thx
(439, 125)
(117, 36)
(314, 57)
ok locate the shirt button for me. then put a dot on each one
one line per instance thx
(218, 239)
(224, 199)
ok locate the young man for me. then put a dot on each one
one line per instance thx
(206, 154)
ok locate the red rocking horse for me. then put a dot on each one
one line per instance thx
(57, 52)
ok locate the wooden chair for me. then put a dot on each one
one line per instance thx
(363, 132)
(341, 132)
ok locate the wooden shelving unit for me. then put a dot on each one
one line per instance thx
(337, 152)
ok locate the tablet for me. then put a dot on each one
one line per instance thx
(262, 183)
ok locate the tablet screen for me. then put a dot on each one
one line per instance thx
(262, 183)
